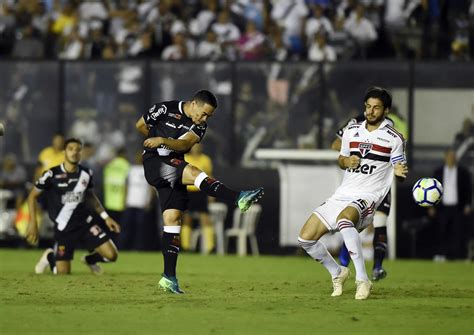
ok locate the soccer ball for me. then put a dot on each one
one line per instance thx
(427, 192)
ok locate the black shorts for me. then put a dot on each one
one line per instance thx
(384, 206)
(165, 174)
(198, 202)
(90, 236)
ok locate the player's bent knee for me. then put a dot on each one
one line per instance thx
(112, 257)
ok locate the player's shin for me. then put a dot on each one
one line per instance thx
(214, 188)
(380, 239)
(170, 249)
(318, 251)
(354, 245)
(380, 246)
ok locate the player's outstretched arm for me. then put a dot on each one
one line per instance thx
(32, 229)
(401, 171)
(96, 204)
(142, 127)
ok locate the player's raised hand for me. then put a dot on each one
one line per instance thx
(113, 226)
(353, 162)
(153, 142)
(400, 170)
(32, 233)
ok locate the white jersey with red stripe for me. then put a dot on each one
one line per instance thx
(378, 150)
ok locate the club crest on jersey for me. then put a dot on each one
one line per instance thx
(365, 148)
(176, 116)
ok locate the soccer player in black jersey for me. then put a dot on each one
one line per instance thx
(172, 128)
(70, 199)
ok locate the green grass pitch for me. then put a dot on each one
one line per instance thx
(231, 295)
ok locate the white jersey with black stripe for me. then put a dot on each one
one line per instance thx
(378, 150)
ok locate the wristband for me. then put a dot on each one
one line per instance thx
(104, 215)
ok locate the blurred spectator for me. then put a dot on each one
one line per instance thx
(7, 28)
(85, 126)
(198, 203)
(319, 51)
(277, 49)
(341, 40)
(361, 30)
(72, 46)
(317, 23)
(289, 15)
(201, 24)
(251, 43)
(92, 15)
(227, 33)
(178, 50)
(251, 10)
(135, 226)
(209, 48)
(96, 44)
(28, 45)
(397, 14)
(66, 20)
(13, 178)
(466, 132)
(160, 20)
(52, 155)
(459, 51)
(452, 214)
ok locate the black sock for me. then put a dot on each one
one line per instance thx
(170, 250)
(51, 261)
(216, 189)
(94, 258)
(380, 246)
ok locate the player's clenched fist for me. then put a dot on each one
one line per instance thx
(153, 142)
(352, 162)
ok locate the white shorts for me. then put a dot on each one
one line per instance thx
(330, 210)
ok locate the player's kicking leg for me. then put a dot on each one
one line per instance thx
(214, 188)
(308, 239)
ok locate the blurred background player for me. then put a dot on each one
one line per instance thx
(381, 214)
(115, 186)
(172, 128)
(198, 203)
(68, 188)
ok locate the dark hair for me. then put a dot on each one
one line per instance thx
(206, 97)
(379, 93)
(72, 140)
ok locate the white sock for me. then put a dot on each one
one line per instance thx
(354, 246)
(318, 251)
(199, 179)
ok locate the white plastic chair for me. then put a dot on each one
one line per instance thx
(244, 226)
(218, 213)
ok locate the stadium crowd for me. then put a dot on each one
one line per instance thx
(315, 30)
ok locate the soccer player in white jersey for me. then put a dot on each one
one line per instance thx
(372, 152)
